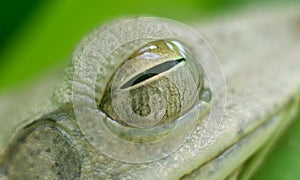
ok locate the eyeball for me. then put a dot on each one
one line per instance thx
(155, 85)
(158, 83)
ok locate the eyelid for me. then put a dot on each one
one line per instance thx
(151, 72)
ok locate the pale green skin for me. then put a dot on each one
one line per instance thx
(260, 59)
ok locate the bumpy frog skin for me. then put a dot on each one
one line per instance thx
(146, 99)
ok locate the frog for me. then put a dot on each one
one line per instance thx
(151, 98)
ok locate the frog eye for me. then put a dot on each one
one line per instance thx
(140, 86)
(155, 86)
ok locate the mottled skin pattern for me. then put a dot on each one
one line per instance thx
(259, 53)
(25, 162)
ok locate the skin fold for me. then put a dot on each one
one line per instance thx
(49, 128)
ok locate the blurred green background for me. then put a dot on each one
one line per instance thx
(37, 36)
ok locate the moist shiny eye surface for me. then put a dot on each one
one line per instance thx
(155, 86)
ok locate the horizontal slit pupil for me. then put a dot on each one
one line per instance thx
(143, 78)
(151, 72)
